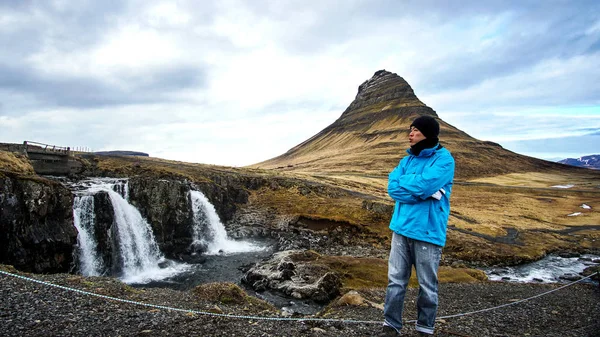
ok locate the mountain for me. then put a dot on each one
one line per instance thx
(371, 136)
(591, 162)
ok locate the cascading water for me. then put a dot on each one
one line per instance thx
(122, 243)
(209, 231)
(138, 254)
(90, 263)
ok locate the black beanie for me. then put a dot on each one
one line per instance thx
(428, 126)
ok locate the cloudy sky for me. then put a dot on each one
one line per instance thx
(238, 82)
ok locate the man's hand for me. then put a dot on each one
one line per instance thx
(438, 195)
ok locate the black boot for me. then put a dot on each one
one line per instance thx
(388, 331)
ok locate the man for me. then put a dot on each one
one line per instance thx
(421, 186)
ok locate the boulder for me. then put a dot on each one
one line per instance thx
(570, 277)
(300, 278)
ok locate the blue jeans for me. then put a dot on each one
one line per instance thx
(425, 257)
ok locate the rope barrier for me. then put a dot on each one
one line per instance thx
(515, 302)
(276, 318)
(185, 310)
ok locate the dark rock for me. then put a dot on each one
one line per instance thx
(570, 277)
(105, 232)
(592, 270)
(316, 283)
(568, 254)
(374, 90)
(36, 224)
(192, 258)
(378, 207)
(497, 271)
(166, 205)
(328, 288)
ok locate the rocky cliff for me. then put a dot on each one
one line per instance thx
(36, 224)
(165, 204)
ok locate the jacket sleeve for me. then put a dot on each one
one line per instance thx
(397, 192)
(430, 180)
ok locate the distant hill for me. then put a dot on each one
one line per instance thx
(121, 153)
(371, 136)
(591, 161)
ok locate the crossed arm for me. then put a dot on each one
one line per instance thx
(414, 188)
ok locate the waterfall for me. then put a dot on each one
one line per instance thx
(137, 246)
(138, 254)
(123, 189)
(210, 232)
(90, 263)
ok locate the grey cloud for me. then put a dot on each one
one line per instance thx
(534, 32)
(178, 77)
(83, 23)
(72, 26)
(15, 4)
(558, 37)
(69, 29)
(88, 92)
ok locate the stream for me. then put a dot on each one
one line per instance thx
(550, 269)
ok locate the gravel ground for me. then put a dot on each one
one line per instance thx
(32, 309)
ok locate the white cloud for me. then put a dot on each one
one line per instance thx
(167, 14)
(132, 47)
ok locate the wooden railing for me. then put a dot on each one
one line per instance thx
(34, 147)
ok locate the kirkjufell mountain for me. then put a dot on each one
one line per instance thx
(370, 137)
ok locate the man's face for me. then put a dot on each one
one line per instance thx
(415, 136)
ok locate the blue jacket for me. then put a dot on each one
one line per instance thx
(417, 215)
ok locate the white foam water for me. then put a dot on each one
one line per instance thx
(548, 269)
(83, 217)
(215, 238)
(140, 257)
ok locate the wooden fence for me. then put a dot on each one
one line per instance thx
(33, 147)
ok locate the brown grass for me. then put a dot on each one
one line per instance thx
(17, 163)
(482, 209)
(582, 181)
(365, 273)
(229, 293)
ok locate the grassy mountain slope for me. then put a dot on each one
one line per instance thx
(371, 136)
